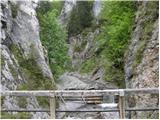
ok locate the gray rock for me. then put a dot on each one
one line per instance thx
(66, 10)
(77, 81)
(21, 30)
(145, 73)
(70, 82)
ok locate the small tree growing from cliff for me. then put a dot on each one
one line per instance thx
(53, 37)
(81, 17)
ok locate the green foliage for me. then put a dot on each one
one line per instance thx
(2, 98)
(22, 87)
(43, 7)
(31, 71)
(80, 47)
(2, 61)
(115, 24)
(20, 115)
(81, 17)
(47, 6)
(22, 102)
(77, 48)
(116, 32)
(88, 65)
(53, 37)
(147, 31)
(14, 10)
(113, 39)
(43, 101)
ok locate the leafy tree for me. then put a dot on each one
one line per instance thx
(115, 35)
(118, 28)
(115, 24)
(81, 17)
(43, 7)
(53, 37)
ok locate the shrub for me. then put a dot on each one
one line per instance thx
(81, 17)
(53, 37)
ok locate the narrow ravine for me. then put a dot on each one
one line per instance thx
(79, 45)
(75, 80)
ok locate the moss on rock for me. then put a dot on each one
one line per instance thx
(43, 101)
(13, 72)
(20, 115)
(22, 102)
(31, 71)
(88, 65)
(14, 10)
(145, 37)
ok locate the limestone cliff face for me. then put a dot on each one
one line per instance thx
(23, 61)
(141, 63)
(82, 47)
(66, 10)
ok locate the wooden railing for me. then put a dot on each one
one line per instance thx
(85, 93)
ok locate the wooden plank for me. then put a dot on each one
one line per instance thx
(80, 99)
(27, 93)
(121, 107)
(122, 104)
(66, 93)
(52, 107)
(141, 91)
(86, 92)
(92, 110)
(142, 109)
(110, 110)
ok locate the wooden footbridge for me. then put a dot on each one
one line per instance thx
(88, 95)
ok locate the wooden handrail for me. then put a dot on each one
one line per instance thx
(93, 110)
(76, 93)
(81, 92)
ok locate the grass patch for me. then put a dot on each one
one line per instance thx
(22, 102)
(43, 101)
(20, 115)
(88, 65)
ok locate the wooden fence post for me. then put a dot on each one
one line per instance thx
(121, 105)
(52, 107)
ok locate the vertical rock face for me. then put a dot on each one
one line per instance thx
(97, 8)
(23, 61)
(81, 47)
(66, 10)
(141, 64)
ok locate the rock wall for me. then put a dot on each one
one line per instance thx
(23, 61)
(66, 10)
(97, 7)
(142, 58)
(81, 47)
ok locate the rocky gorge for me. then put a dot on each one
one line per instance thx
(25, 62)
